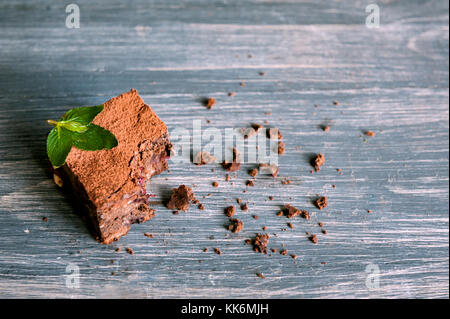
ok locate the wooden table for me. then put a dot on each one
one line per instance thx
(392, 80)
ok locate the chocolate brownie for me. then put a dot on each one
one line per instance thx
(112, 183)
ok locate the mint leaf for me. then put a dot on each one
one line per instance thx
(75, 129)
(94, 138)
(82, 115)
(59, 144)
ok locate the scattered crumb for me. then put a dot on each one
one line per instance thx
(324, 231)
(210, 102)
(229, 211)
(335, 103)
(314, 239)
(260, 243)
(227, 177)
(205, 250)
(318, 161)
(294, 256)
(201, 206)
(281, 148)
(321, 202)
(250, 183)
(45, 219)
(175, 212)
(238, 200)
(326, 128)
(262, 73)
(369, 133)
(260, 275)
(280, 213)
(117, 249)
(203, 158)
(264, 228)
(235, 165)
(242, 84)
(236, 225)
(217, 251)
(130, 251)
(320, 224)
(270, 197)
(244, 206)
(231, 94)
(290, 225)
(255, 216)
(181, 197)
(283, 252)
(253, 172)
(58, 180)
(285, 181)
(292, 212)
(148, 235)
(215, 184)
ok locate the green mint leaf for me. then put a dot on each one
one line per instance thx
(76, 129)
(94, 138)
(59, 144)
(82, 115)
(73, 126)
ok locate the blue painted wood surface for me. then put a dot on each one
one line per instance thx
(393, 80)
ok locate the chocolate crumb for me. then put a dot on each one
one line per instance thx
(231, 94)
(260, 275)
(320, 224)
(117, 249)
(369, 133)
(292, 212)
(255, 216)
(45, 219)
(283, 252)
(318, 161)
(203, 158)
(215, 184)
(281, 147)
(175, 212)
(130, 251)
(285, 182)
(262, 73)
(264, 228)
(250, 183)
(236, 225)
(181, 197)
(229, 211)
(270, 197)
(210, 102)
(290, 225)
(238, 200)
(273, 250)
(321, 202)
(235, 165)
(260, 243)
(326, 128)
(294, 256)
(205, 250)
(314, 239)
(253, 172)
(201, 206)
(148, 235)
(324, 231)
(248, 241)
(244, 206)
(227, 177)
(280, 213)
(217, 251)
(242, 84)
(335, 103)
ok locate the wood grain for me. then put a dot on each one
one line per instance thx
(392, 80)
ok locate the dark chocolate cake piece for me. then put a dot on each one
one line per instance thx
(111, 183)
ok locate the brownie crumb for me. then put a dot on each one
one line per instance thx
(264, 228)
(247, 241)
(215, 184)
(238, 200)
(314, 239)
(250, 183)
(294, 256)
(181, 198)
(229, 211)
(205, 250)
(217, 251)
(58, 180)
(253, 172)
(369, 133)
(260, 243)
(117, 250)
(175, 212)
(285, 181)
(290, 225)
(271, 169)
(255, 217)
(235, 165)
(281, 147)
(262, 73)
(260, 275)
(231, 94)
(130, 251)
(236, 225)
(318, 161)
(210, 102)
(148, 235)
(280, 213)
(283, 252)
(203, 158)
(369, 211)
(335, 103)
(227, 178)
(273, 250)
(320, 224)
(244, 206)
(292, 212)
(45, 219)
(321, 202)
(201, 206)
(270, 197)
(324, 231)
(242, 84)
(326, 128)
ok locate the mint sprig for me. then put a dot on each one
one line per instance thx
(75, 129)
